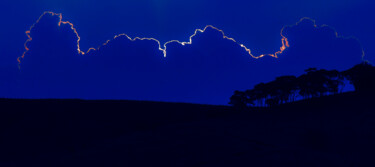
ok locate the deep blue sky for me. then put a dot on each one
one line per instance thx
(256, 24)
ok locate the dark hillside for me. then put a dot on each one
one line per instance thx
(328, 131)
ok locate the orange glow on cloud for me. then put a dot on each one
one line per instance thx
(163, 48)
(59, 24)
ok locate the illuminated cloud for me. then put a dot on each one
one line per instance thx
(47, 21)
(320, 46)
(205, 69)
(162, 48)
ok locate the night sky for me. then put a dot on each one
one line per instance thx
(207, 71)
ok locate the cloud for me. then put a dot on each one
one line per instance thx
(205, 69)
(320, 46)
(51, 36)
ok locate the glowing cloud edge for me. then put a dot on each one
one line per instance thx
(163, 48)
(59, 24)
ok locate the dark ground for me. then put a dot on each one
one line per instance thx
(329, 131)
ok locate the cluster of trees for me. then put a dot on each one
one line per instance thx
(285, 89)
(362, 76)
(314, 83)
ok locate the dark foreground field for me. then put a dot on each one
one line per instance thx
(329, 131)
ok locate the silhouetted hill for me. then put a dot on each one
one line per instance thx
(328, 131)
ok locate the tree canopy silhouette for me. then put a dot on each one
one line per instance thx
(285, 89)
(362, 76)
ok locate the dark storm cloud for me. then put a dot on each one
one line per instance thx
(205, 70)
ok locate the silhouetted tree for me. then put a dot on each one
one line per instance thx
(284, 89)
(335, 80)
(272, 93)
(316, 83)
(260, 93)
(287, 87)
(362, 76)
(239, 100)
(251, 97)
(306, 86)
